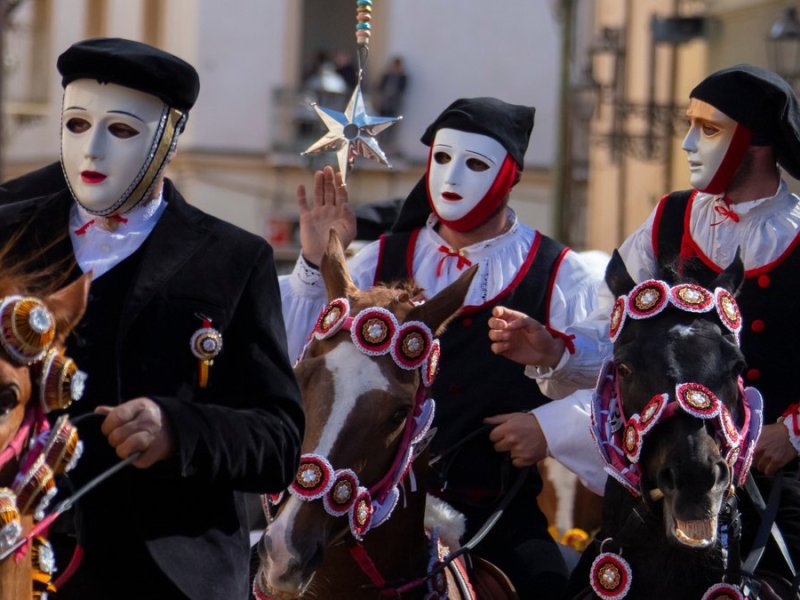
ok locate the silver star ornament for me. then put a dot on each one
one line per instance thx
(351, 133)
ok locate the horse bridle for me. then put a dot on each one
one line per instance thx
(374, 331)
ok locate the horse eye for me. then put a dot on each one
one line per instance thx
(400, 415)
(9, 398)
(623, 370)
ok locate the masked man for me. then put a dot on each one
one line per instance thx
(183, 339)
(456, 217)
(743, 122)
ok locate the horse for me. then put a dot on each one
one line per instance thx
(353, 524)
(677, 430)
(35, 378)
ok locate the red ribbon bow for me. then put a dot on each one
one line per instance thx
(463, 261)
(83, 228)
(725, 211)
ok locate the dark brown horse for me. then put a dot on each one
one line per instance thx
(363, 379)
(678, 432)
(34, 378)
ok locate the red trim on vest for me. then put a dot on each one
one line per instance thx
(656, 223)
(410, 248)
(523, 270)
(731, 161)
(488, 205)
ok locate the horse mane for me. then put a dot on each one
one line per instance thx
(22, 274)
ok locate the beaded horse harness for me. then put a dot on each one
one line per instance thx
(27, 335)
(620, 439)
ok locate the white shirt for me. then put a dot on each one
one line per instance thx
(98, 249)
(765, 230)
(573, 298)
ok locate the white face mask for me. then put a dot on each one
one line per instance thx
(706, 144)
(107, 139)
(462, 169)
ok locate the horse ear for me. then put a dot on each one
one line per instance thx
(732, 277)
(617, 277)
(437, 312)
(68, 305)
(335, 274)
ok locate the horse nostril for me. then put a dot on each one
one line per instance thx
(667, 479)
(722, 472)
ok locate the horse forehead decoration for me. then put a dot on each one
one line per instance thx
(620, 439)
(374, 331)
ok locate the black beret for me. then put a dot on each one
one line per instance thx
(509, 124)
(132, 64)
(763, 102)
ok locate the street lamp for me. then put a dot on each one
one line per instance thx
(783, 46)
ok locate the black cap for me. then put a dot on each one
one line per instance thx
(763, 102)
(509, 124)
(132, 64)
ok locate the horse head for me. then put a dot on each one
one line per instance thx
(363, 377)
(686, 426)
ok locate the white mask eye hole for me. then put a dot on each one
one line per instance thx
(441, 158)
(77, 125)
(709, 130)
(122, 131)
(478, 165)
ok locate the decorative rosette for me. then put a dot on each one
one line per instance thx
(332, 318)
(651, 413)
(340, 497)
(314, 477)
(744, 463)
(10, 525)
(728, 310)
(691, 298)
(35, 488)
(361, 513)
(611, 576)
(647, 299)
(732, 456)
(270, 504)
(723, 591)
(61, 382)
(411, 345)
(728, 427)
(632, 440)
(372, 331)
(27, 328)
(697, 400)
(431, 367)
(206, 343)
(617, 320)
(63, 447)
(44, 567)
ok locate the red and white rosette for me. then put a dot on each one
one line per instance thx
(697, 400)
(691, 298)
(728, 310)
(313, 479)
(361, 513)
(373, 330)
(611, 576)
(728, 427)
(431, 367)
(332, 318)
(651, 413)
(411, 345)
(632, 440)
(647, 299)
(340, 498)
(744, 463)
(617, 319)
(723, 591)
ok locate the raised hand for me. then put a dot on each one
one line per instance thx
(330, 209)
(523, 339)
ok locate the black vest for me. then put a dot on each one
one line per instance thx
(767, 300)
(473, 382)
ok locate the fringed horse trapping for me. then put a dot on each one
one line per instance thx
(678, 431)
(352, 524)
(35, 378)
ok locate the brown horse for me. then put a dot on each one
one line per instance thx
(34, 378)
(363, 378)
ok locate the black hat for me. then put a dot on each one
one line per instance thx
(134, 65)
(761, 101)
(509, 124)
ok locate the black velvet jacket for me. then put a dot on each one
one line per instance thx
(241, 433)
